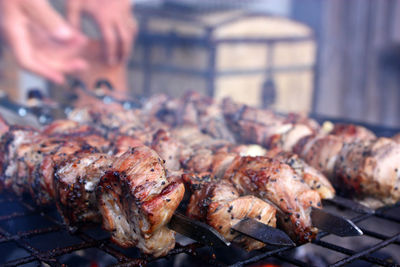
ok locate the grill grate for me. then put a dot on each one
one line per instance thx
(30, 231)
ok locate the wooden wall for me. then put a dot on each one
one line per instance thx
(359, 59)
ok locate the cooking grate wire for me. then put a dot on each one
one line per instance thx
(51, 257)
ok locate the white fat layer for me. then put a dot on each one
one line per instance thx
(89, 186)
(253, 151)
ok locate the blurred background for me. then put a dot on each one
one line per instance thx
(334, 58)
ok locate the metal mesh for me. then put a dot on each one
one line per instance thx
(31, 234)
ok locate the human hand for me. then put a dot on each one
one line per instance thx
(115, 21)
(40, 39)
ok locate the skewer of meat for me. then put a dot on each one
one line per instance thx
(203, 159)
(67, 170)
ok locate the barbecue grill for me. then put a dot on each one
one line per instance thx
(36, 235)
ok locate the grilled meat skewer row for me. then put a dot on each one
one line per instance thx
(202, 160)
(109, 186)
(67, 170)
(362, 175)
(76, 180)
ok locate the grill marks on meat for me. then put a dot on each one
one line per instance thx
(219, 204)
(137, 200)
(276, 182)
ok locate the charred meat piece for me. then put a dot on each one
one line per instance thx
(75, 181)
(137, 200)
(278, 183)
(218, 203)
(371, 170)
(313, 178)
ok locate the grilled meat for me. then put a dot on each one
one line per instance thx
(89, 185)
(137, 200)
(370, 168)
(219, 204)
(191, 109)
(351, 132)
(278, 183)
(320, 152)
(313, 178)
(75, 182)
(199, 153)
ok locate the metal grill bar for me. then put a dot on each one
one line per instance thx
(105, 247)
(351, 252)
(367, 251)
(30, 233)
(35, 253)
(50, 257)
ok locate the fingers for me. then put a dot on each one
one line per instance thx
(126, 35)
(74, 10)
(42, 14)
(110, 41)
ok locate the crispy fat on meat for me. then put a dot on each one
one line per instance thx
(75, 181)
(370, 169)
(219, 204)
(276, 182)
(137, 200)
(313, 177)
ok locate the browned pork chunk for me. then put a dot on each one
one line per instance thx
(320, 152)
(76, 180)
(218, 203)
(137, 200)
(313, 178)
(371, 170)
(277, 182)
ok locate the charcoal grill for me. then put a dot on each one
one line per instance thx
(33, 236)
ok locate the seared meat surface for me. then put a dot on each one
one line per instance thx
(74, 167)
(351, 132)
(370, 168)
(75, 182)
(276, 182)
(313, 177)
(218, 203)
(137, 200)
